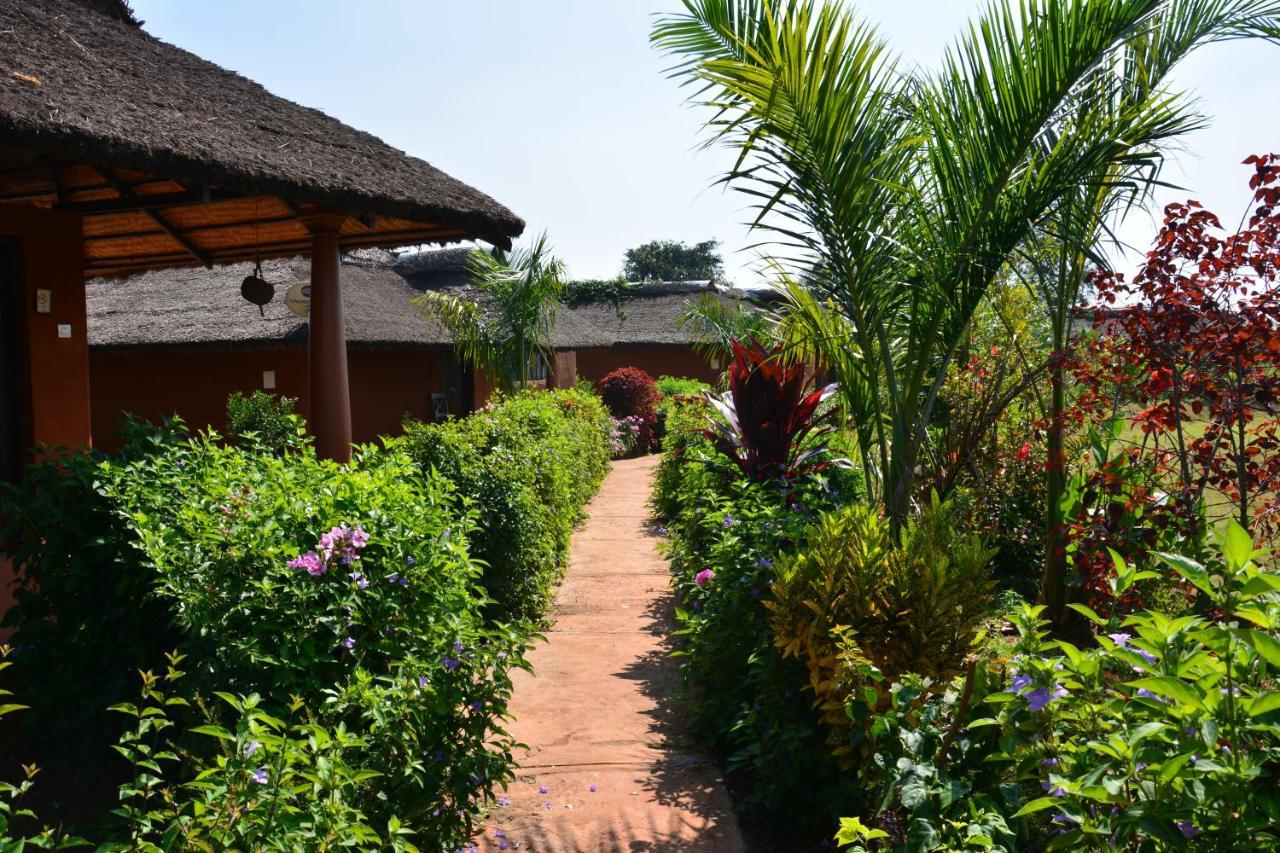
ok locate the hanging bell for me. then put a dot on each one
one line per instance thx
(257, 290)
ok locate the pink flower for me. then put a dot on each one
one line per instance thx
(311, 562)
(704, 577)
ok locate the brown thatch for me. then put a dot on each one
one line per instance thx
(197, 309)
(203, 308)
(93, 110)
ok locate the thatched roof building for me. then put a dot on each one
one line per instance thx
(205, 166)
(202, 309)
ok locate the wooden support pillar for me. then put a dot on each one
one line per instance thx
(327, 377)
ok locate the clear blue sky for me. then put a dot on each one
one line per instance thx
(560, 109)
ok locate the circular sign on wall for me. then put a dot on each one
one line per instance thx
(298, 298)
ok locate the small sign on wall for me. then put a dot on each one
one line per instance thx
(44, 300)
(64, 330)
(298, 298)
(269, 380)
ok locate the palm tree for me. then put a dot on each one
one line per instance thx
(906, 192)
(508, 324)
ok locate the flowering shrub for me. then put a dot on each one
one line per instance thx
(525, 466)
(748, 702)
(349, 589)
(624, 436)
(631, 392)
(1164, 734)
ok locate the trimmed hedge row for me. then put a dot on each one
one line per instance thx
(525, 466)
(339, 611)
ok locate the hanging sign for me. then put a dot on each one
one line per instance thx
(298, 298)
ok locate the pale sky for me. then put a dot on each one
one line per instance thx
(560, 109)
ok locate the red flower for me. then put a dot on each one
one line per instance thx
(1024, 453)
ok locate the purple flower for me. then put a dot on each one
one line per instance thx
(1062, 817)
(593, 789)
(546, 805)
(260, 776)
(1187, 828)
(450, 664)
(542, 789)
(504, 802)
(349, 642)
(251, 747)
(704, 577)
(311, 562)
(361, 580)
(1040, 697)
(1054, 790)
(1144, 693)
(503, 845)
(397, 578)
(477, 705)
(1120, 638)
(1020, 682)
(422, 681)
(1051, 762)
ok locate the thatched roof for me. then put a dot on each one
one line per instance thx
(203, 308)
(198, 308)
(94, 110)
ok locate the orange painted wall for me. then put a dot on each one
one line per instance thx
(671, 360)
(50, 247)
(386, 384)
(56, 409)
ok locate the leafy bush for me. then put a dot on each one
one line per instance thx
(630, 392)
(1165, 734)
(79, 580)
(624, 436)
(854, 593)
(769, 423)
(525, 466)
(679, 386)
(349, 589)
(265, 419)
(748, 702)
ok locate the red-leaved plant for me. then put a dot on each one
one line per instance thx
(1193, 345)
(769, 422)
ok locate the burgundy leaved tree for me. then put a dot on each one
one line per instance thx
(1193, 342)
(769, 421)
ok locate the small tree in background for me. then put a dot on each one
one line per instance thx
(671, 260)
(510, 324)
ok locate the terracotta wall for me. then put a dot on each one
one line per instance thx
(56, 369)
(564, 369)
(386, 384)
(671, 360)
(50, 258)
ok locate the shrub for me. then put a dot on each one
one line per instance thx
(265, 419)
(747, 701)
(854, 593)
(630, 392)
(79, 580)
(525, 466)
(679, 386)
(624, 436)
(347, 588)
(770, 424)
(1163, 734)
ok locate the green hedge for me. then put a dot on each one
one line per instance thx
(525, 466)
(345, 602)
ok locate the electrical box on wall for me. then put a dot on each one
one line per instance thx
(269, 380)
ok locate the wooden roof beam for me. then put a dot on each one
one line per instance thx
(159, 218)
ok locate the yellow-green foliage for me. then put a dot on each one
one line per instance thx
(853, 596)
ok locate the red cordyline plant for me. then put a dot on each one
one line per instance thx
(769, 422)
(1193, 342)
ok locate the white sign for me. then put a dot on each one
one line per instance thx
(298, 298)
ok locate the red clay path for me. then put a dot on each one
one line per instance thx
(610, 767)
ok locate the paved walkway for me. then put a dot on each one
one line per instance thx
(609, 767)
